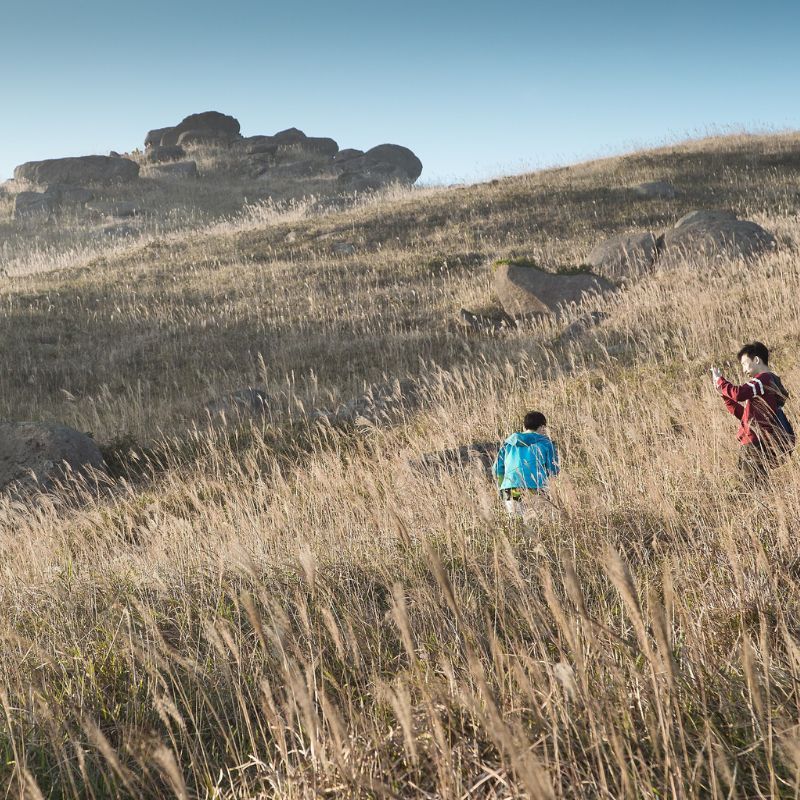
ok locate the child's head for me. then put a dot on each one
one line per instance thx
(534, 421)
(754, 358)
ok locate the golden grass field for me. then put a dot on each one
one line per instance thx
(287, 609)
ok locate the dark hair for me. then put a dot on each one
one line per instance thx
(534, 420)
(754, 350)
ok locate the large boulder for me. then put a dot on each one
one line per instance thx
(716, 233)
(398, 155)
(348, 154)
(289, 137)
(362, 174)
(83, 169)
(34, 205)
(153, 138)
(222, 125)
(625, 255)
(321, 144)
(175, 169)
(259, 145)
(38, 454)
(158, 154)
(526, 290)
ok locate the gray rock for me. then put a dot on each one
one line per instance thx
(120, 209)
(477, 455)
(159, 155)
(34, 205)
(38, 454)
(153, 138)
(623, 256)
(524, 290)
(289, 137)
(398, 155)
(80, 170)
(715, 234)
(177, 169)
(259, 145)
(320, 144)
(346, 155)
(170, 137)
(655, 190)
(362, 174)
(343, 249)
(222, 125)
(70, 195)
(203, 137)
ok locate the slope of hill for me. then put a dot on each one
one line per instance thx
(292, 608)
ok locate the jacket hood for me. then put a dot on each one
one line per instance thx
(525, 439)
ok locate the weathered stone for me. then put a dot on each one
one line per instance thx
(153, 138)
(346, 155)
(623, 256)
(716, 234)
(221, 124)
(70, 195)
(158, 154)
(169, 137)
(477, 455)
(80, 170)
(398, 155)
(655, 190)
(176, 169)
(38, 454)
(527, 290)
(203, 137)
(29, 205)
(260, 145)
(361, 175)
(289, 137)
(320, 144)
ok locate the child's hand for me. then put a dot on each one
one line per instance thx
(716, 374)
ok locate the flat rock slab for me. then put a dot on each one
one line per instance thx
(80, 170)
(37, 454)
(458, 459)
(526, 290)
(716, 234)
(625, 255)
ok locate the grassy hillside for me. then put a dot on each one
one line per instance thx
(288, 609)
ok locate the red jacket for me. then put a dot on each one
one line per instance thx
(755, 403)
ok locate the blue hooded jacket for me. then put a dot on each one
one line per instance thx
(526, 461)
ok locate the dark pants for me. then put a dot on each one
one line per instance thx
(755, 463)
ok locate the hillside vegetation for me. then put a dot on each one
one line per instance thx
(282, 607)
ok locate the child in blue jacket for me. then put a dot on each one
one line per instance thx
(525, 463)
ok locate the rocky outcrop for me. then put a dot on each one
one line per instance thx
(716, 234)
(159, 155)
(527, 290)
(626, 255)
(38, 454)
(80, 170)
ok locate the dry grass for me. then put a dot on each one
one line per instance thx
(291, 610)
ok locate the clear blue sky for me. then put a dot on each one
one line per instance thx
(474, 89)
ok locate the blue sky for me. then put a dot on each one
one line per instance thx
(474, 89)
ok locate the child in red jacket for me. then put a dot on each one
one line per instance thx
(764, 434)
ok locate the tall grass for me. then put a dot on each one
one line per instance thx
(295, 610)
